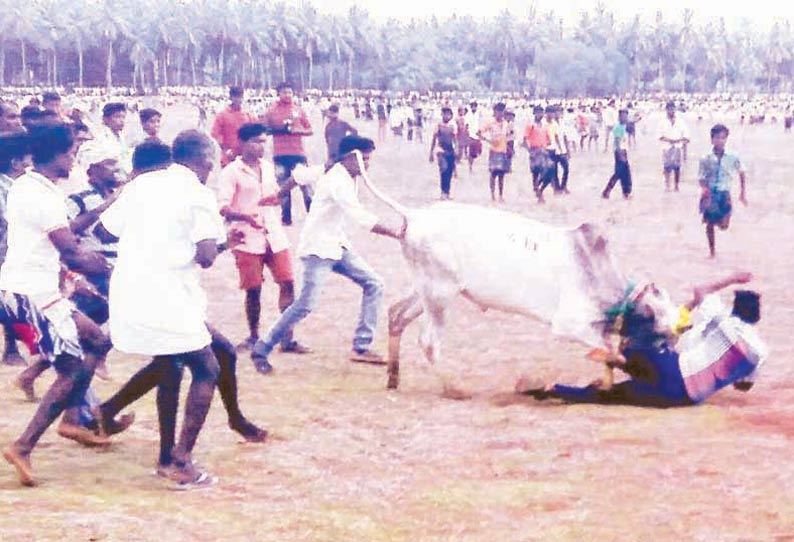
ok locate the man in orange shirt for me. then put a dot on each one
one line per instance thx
(227, 123)
(495, 134)
(537, 141)
(243, 184)
(289, 124)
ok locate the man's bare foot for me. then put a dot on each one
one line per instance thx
(526, 384)
(21, 462)
(26, 386)
(249, 431)
(14, 359)
(82, 435)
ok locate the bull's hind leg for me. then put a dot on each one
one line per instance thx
(401, 314)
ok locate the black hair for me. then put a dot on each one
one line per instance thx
(30, 114)
(499, 107)
(148, 114)
(151, 155)
(189, 145)
(251, 130)
(355, 143)
(334, 108)
(537, 109)
(284, 84)
(49, 141)
(626, 111)
(235, 91)
(719, 129)
(747, 306)
(50, 97)
(112, 108)
(446, 110)
(13, 147)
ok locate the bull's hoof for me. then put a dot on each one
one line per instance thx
(456, 394)
(394, 382)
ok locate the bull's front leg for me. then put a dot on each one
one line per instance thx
(401, 314)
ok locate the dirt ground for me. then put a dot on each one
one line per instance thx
(349, 461)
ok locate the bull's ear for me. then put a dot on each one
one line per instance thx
(586, 228)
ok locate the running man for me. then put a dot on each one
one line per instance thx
(715, 175)
(39, 239)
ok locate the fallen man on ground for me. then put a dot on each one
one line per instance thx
(707, 348)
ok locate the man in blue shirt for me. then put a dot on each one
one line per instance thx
(715, 175)
(622, 169)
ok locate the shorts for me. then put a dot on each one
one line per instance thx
(671, 159)
(717, 208)
(475, 148)
(252, 267)
(498, 162)
(47, 326)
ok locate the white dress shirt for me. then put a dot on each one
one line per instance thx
(335, 203)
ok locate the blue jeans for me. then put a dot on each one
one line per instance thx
(315, 273)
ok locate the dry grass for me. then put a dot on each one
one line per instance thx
(349, 461)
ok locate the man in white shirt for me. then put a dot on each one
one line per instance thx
(108, 142)
(610, 118)
(169, 227)
(244, 182)
(675, 136)
(324, 247)
(39, 240)
(14, 160)
(472, 120)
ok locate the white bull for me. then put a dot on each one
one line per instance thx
(503, 261)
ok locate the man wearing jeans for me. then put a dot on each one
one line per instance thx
(324, 247)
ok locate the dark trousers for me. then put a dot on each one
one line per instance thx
(550, 175)
(622, 174)
(446, 170)
(284, 166)
(656, 382)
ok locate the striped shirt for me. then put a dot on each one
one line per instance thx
(718, 351)
(83, 202)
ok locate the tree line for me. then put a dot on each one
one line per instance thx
(147, 44)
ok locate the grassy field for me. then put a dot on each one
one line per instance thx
(348, 461)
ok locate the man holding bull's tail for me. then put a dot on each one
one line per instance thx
(720, 349)
(324, 247)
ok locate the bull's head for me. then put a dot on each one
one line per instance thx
(654, 307)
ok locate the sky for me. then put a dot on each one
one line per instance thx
(760, 12)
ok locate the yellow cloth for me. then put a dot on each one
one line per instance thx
(684, 320)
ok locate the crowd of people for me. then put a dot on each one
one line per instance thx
(105, 225)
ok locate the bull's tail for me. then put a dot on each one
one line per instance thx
(398, 207)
